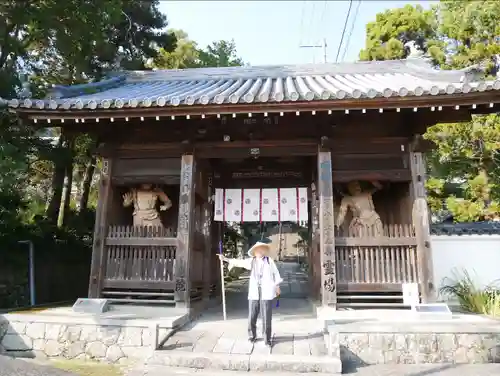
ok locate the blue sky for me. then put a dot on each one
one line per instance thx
(270, 32)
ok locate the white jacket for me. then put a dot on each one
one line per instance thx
(270, 277)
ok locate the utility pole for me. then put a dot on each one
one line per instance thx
(322, 45)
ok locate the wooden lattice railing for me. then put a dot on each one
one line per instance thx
(139, 257)
(368, 257)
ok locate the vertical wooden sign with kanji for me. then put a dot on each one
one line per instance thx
(185, 231)
(326, 230)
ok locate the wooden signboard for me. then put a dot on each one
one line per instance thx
(326, 230)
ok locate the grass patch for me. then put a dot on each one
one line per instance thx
(29, 310)
(82, 368)
(471, 298)
(39, 308)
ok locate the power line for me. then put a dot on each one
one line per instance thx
(321, 24)
(350, 31)
(311, 23)
(343, 31)
(323, 29)
(323, 45)
(302, 20)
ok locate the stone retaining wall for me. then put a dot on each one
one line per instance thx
(108, 343)
(411, 348)
(415, 344)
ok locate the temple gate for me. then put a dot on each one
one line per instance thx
(350, 133)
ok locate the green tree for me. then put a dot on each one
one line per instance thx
(219, 54)
(455, 34)
(66, 43)
(128, 35)
(55, 42)
(187, 54)
(387, 35)
(78, 41)
(471, 30)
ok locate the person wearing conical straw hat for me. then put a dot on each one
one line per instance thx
(263, 288)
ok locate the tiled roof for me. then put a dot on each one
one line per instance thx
(216, 86)
(473, 228)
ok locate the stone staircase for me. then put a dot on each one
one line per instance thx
(300, 343)
(297, 353)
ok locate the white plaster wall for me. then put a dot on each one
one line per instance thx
(479, 255)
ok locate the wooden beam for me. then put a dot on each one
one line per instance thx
(261, 150)
(138, 285)
(211, 149)
(141, 242)
(367, 145)
(98, 264)
(375, 242)
(185, 231)
(369, 175)
(326, 228)
(421, 220)
(345, 287)
(208, 256)
(315, 275)
(203, 168)
(148, 179)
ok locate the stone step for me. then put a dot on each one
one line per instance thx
(245, 363)
(155, 370)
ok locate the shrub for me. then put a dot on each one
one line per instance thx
(61, 255)
(470, 297)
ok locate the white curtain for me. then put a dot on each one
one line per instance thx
(270, 205)
(232, 205)
(303, 214)
(288, 204)
(266, 205)
(251, 205)
(219, 205)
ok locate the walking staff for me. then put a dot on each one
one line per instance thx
(263, 288)
(222, 273)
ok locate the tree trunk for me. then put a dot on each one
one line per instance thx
(78, 177)
(68, 184)
(54, 205)
(86, 185)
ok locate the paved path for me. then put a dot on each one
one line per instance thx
(296, 330)
(20, 367)
(427, 370)
(400, 370)
(295, 281)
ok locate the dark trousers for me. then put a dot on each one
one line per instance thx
(265, 308)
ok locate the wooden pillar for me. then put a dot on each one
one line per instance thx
(314, 263)
(207, 234)
(420, 218)
(185, 228)
(97, 268)
(326, 230)
(218, 234)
